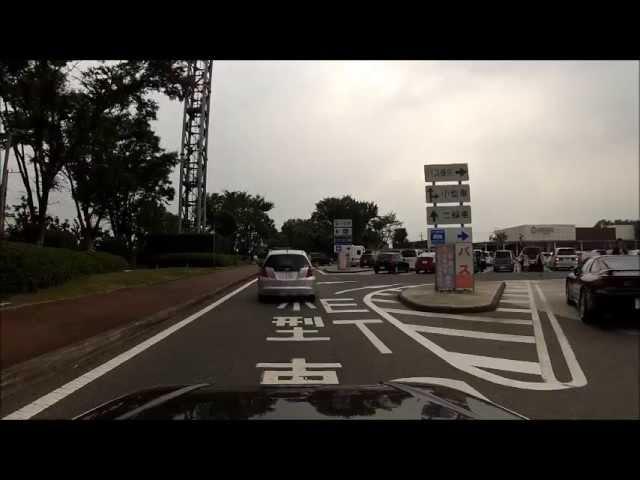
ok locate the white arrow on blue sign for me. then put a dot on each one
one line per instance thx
(442, 236)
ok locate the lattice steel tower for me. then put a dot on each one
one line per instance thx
(193, 149)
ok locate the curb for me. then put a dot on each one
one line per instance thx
(486, 307)
(49, 364)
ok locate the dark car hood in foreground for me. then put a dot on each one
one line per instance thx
(391, 400)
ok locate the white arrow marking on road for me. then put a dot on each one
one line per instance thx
(67, 389)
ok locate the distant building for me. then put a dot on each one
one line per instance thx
(625, 232)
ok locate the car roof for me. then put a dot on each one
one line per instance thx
(290, 252)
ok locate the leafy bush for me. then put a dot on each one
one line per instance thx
(193, 259)
(25, 267)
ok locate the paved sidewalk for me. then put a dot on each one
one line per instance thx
(485, 298)
(32, 330)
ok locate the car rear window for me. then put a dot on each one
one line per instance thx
(408, 253)
(286, 262)
(622, 262)
(503, 254)
(566, 251)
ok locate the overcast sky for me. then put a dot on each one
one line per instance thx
(546, 142)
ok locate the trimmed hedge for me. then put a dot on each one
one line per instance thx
(26, 267)
(193, 259)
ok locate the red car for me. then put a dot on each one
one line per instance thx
(426, 262)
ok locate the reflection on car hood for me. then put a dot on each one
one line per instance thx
(391, 400)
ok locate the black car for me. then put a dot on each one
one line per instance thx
(319, 258)
(391, 262)
(385, 401)
(605, 284)
(368, 259)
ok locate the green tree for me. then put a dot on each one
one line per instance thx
(36, 106)
(251, 226)
(399, 238)
(383, 228)
(331, 208)
(499, 237)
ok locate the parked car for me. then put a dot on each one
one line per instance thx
(367, 259)
(390, 262)
(564, 258)
(319, 258)
(604, 284)
(634, 252)
(488, 258)
(426, 262)
(531, 259)
(410, 255)
(286, 273)
(503, 261)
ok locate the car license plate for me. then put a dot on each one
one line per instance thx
(637, 303)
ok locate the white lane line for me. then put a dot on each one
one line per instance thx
(361, 324)
(282, 305)
(516, 295)
(58, 394)
(541, 345)
(320, 271)
(365, 288)
(452, 316)
(310, 305)
(505, 364)
(296, 306)
(386, 295)
(514, 310)
(503, 337)
(382, 300)
(334, 283)
(578, 377)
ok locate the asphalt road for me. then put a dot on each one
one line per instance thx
(532, 355)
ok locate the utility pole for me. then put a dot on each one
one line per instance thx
(4, 185)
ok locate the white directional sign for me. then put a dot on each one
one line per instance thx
(451, 172)
(442, 236)
(444, 215)
(342, 222)
(448, 193)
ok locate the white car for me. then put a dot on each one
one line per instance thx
(286, 273)
(409, 255)
(563, 258)
(634, 252)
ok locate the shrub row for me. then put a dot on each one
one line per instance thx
(193, 259)
(26, 267)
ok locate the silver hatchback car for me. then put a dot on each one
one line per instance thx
(286, 273)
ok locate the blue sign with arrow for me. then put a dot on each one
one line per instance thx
(443, 236)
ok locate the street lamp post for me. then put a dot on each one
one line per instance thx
(4, 186)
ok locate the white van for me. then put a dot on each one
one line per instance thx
(354, 253)
(410, 255)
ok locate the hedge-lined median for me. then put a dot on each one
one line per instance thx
(25, 267)
(194, 259)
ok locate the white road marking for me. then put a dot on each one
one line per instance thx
(445, 382)
(453, 316)
(282, 305)
(505, 364)
(503, 337)
(310, 305)
(513, 310)
(297, 373)
(320, 271)
(514, 302)
(365, 288)
(386, 295)
(382, 300)
(541, 345)
(4, 304)
(361, 324)
(333, 283)
(334, 305)
(58, 394)
(578, 377)
(474, 364)
(516, 295)
(296, 306)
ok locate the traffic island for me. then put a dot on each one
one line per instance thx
(485, 298)
(345, 270)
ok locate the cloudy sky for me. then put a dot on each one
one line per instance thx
(546, 142)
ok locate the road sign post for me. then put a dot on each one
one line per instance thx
(342, 236)
(454, 269)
